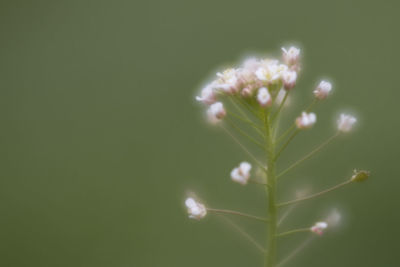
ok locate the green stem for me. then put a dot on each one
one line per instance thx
(232, 212)
(309, 155)
(243, 147)
(271, 196)
(315, 195)
(276, 114)
(237, 128)
(243, 233)
(286, 144)
(300, 230)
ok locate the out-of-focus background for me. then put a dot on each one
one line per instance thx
(101, 138)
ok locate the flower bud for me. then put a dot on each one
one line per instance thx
(322, 90)
(345, 123)
(319, 228)
(216, 112)
(207, 95)
(195, 209)
(263, 97)
(360, 176)
(289, 79)
(241, 174)
(306, 120)
(291, 56)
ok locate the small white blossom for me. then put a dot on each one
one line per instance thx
(289, 79)
(306, 120)
(319, 227)
(228, 81)
(291, 56)
(216, 112)
(270, 71)
(207, 95)
(263, 97)
(241, 174)
(322, 90)
(345, 123)
(195, 209)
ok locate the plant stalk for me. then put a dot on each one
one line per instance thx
(270, 256)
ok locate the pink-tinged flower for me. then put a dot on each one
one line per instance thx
(263, 97)
(322, 90)
(319, 228)
(289, 79)
(291, 56)
(216, 112)
(207, 95)
(241, 174)
(345, 123)
(306, 120)
(195, 209)
(228, 81)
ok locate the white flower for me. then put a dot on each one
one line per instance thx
(228, 81)
(280, 96)
(263, 97)
(195, 209)
(241, 174)
(270, 71)
(289, 79)
(345, 123)
(319, 227)
(306, 120)
(322, 90)
(207, 95)
(216, 112)
(291, 56)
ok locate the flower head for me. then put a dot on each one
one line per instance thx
(207, 95)
(345, 123)
(306, 120)
(228, 81)
(216, 112)
(319, 227)
(263, 97)
(322, 90)
(241, 174)
(289, 79)
(195, 209)
(291, 56)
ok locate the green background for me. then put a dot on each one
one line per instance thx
(101, 138)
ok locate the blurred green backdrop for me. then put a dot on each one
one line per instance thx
(101, 138)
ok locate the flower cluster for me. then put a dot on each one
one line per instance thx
(258, 79)
(258, 91)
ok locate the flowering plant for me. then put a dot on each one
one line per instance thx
(249, 100)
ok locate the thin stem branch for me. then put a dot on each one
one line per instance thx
(237, 128)
(315, 195)
(285, 215)
(287, 143)
(276, 114)
(243, 147)
(309, 155)
(232, 212)
(286, 133)
(300, 230)
(296, 251)
(243, 233)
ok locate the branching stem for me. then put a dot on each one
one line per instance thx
(300, 230)
(315, 195)
(232, 212)
(309, 155)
